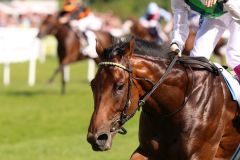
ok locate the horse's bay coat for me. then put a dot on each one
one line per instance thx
(202, 116)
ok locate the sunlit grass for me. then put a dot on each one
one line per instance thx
(37, 123)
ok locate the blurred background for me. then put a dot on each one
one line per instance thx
(37, 120)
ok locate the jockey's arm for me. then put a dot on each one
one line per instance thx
(181, 24)
(167, 16)
(233, 7)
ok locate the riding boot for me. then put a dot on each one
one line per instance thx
(237, 71)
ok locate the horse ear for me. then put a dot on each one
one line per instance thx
(130, 47)
(99, 49)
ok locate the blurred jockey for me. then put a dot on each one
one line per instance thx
(71, 9)
(70, 5)
(85, 22)
(151, 21)
(217, 16)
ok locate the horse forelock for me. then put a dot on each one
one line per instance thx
(116, 49)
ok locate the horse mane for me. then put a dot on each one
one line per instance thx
(141, 47)
(149, 49)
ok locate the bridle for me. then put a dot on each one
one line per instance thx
(124, 117)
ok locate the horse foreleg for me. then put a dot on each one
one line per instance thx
(138, 155)
(63, 80)
(60, 68)
(54, 75)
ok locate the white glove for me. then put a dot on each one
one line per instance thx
(175, 48)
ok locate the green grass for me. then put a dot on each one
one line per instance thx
(122, 8)
(125, 8)
(37, 123)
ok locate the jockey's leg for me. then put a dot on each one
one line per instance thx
(233, 47)
(90, 50)
(207, 37)
(237, 71)
(82, 40)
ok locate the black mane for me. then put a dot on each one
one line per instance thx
(142, 47)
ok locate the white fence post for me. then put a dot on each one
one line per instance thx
(6, 74)
(66, 69)
(19, 45)
(32, 72)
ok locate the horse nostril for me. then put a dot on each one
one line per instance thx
(102, 139)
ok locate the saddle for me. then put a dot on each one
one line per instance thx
(200, 63)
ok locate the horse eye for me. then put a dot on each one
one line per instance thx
(119, 86)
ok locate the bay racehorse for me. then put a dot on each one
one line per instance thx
(69, 46)
(187, 110)
(138, 30)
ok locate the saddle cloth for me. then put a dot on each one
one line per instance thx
(234, 87)
(232, 84)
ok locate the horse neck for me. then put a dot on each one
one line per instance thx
(63, 32)
(171, 93)
(68, 43)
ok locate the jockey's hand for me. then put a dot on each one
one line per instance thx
(175, 48)
(210, 3)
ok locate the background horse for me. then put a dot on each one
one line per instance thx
(188, 114)
(140, 31)
(69, 46)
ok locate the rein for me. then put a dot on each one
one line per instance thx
(143, 100)
(124, 117)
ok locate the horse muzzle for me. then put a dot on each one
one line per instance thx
(100, 141)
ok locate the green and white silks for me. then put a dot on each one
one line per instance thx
(214, 11)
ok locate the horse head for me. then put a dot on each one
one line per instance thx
(48, 26)
(118, 87)
(115, 95)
